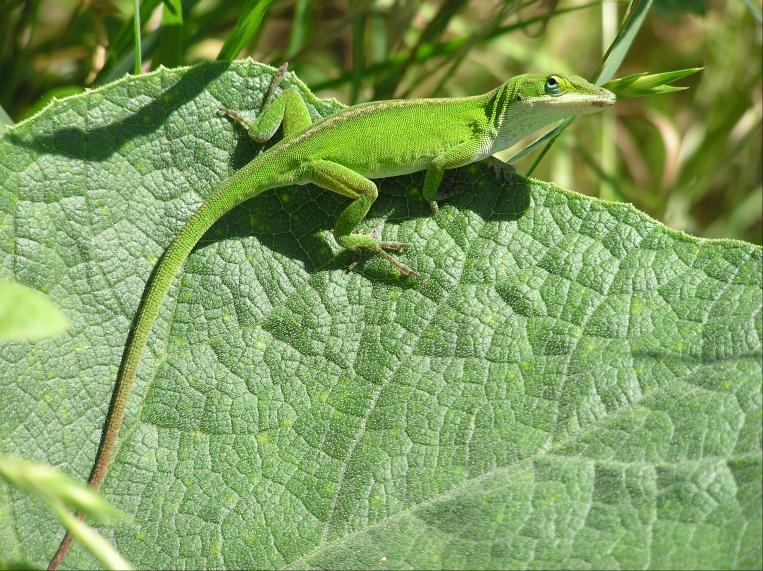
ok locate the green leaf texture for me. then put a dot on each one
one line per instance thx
(569, 383)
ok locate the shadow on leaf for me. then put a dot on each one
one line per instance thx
(297, 221)
(101, 142)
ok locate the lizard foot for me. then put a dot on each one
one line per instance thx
(394, 246)
(236, 117)
(399, 266)
(505, 172)
(366, 243)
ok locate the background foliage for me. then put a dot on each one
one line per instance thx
(691, 159)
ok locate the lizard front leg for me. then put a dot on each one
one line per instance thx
(342, 180)
(457, 156)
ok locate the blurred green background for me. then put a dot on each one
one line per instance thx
(691, 159)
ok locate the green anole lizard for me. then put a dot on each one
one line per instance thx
(342, 153)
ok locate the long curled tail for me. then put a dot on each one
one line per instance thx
(244, 184)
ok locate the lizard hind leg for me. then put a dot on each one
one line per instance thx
(342, 180)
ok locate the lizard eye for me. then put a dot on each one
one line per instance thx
(552, 86)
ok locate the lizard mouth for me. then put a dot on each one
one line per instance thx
(603, 98)
(608, 98)
(595, 101)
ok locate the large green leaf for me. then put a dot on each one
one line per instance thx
(569, 383)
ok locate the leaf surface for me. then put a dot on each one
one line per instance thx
(569, 384)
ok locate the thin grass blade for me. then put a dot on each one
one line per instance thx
(637, 11)
(388, 84)
(171, 48)
(122, 46)
(136, 38)
(358, 55)
(248, 25)
(442, 49)
(300, 26)
(5, 120)
(634, 18)
(754, 10)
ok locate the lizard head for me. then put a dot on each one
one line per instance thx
(560, 95)
(528, 102)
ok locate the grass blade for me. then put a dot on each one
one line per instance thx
(358, 55)
(122, 66)
(91, 539)
(27, 314)
(136, 42)
(442, 49)
(634, 18)
(300, 27)
(122, 46)
(548, 137)
(5, 120)
(249, 23)
(171, 49)
(59, 492)
(637, 11)
(387, 86)
(754, 10)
